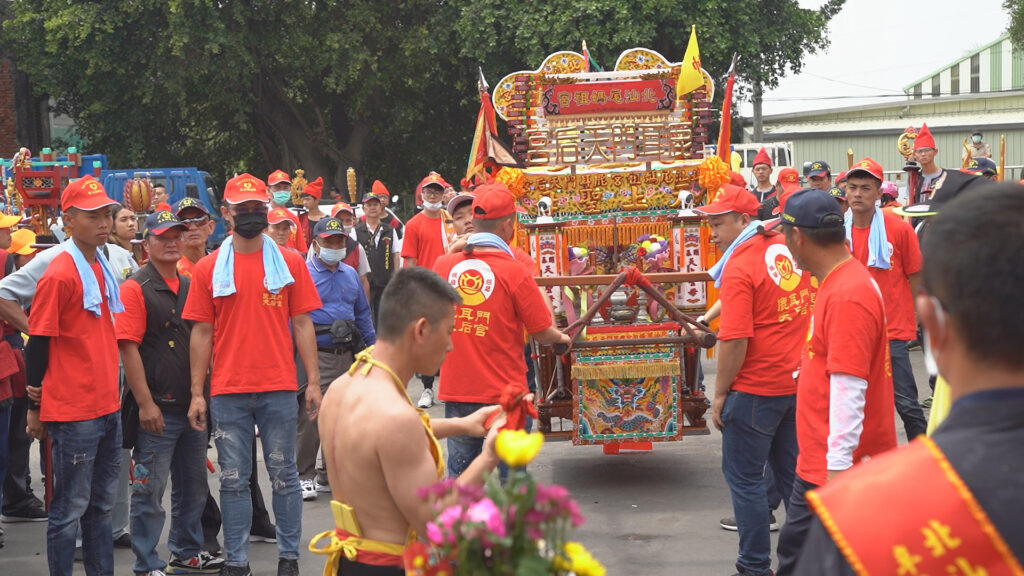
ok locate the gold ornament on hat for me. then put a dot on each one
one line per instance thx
(905, 143)
(298, 185)
(350, 179)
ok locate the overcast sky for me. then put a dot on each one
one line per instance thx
(880, 46)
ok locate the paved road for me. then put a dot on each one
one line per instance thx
(652, 513)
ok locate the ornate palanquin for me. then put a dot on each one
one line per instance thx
(610, 159)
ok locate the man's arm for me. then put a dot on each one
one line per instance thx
(305, 342)
(200, 351)
(37, 358)
(471, 425)
(915, 283)
(364, 319)
(845, 420)
(731, 354)
(12, 313)
(551, 335)
(151, 419)
(409, 262)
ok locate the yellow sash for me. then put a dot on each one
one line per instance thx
(351, 541)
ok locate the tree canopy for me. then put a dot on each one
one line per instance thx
(386, 87)
(1016, 26)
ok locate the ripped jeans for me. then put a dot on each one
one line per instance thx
(178, 455)
(233, 417)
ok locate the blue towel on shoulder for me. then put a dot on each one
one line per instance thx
(275, 271)
(716, 271)
(490, 240)
(878, 241)
(92, 299)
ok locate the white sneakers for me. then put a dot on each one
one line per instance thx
(426, 399)
(308, 490)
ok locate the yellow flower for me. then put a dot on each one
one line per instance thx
(580, 561)
(517, 448)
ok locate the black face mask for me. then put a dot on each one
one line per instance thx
(250, 224)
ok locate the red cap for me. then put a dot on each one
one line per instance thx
(762, 158)
(278, 215)
(869, 167)
(162, 207)
(731, 199)
(243, 188)
(278, 176)
(842, 176)
(86, 193)
(736, 179)
(315, 188)
(341, 207)
(493, 201)
(924, 138)
(789, 178)
(379, 189)
(433, 178)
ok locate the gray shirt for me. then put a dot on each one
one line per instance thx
(20, 286)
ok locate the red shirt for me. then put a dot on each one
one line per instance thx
(525, 259)
(905, 259)
(80, 382)
(252, 340)
(131, 324)
(847, 336)
(499, 301)
(766, 299)
(423, 240)
(185, 267)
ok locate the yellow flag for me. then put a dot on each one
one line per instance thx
(690, 75)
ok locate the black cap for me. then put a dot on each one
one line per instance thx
(329, 227)
(159, 222)
(819, 167)
(189, 202)
(812, 208)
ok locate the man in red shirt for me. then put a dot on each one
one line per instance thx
(499, 301)
(427, 237)
(247, 300)
(72, 355)
(887, 245)
(279, 185)
(765, 303)
(844, 408)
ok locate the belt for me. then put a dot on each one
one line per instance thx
(331, 349)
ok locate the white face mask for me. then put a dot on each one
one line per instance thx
(331, 256)
(432, 205)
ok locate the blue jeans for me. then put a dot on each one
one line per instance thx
(463, 449)
(905, 388)
(758, 431)
(234, 416)
(180, 455)
(86, 464)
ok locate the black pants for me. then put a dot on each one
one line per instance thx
(348, 568)
(375, 293)
(17, 483)
(794, 531)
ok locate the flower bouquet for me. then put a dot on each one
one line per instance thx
(519, 529)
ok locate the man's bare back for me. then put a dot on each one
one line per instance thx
(376, 447)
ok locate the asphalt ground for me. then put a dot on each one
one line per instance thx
(653, 513)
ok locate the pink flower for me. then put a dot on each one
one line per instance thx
(450, 516)
(434, 534)
(574, 514)
(486, 513)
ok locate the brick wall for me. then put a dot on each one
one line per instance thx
(8, 113)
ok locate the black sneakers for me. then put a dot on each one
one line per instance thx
(287, 567)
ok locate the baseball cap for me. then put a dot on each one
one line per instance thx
(277, 177)
(278, 215)
(731, 199)
(370, 196)
(189, 202)
(9, 220)
(789, 179)
(159, 222)
(459, 200)
(976, 131)
(841, 178)
(819, 167)
(493, 201)
(86, 193)
(433, 179)
(983, 166)
(341, 207)
(812, 208)
(244, 188)
(22, 241)
(329, 227)
(867, 166)
(837, 192)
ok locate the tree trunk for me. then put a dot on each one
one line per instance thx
(758, 93)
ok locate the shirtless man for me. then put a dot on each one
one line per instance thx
(376, 444)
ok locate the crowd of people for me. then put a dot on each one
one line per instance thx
(305, 327)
